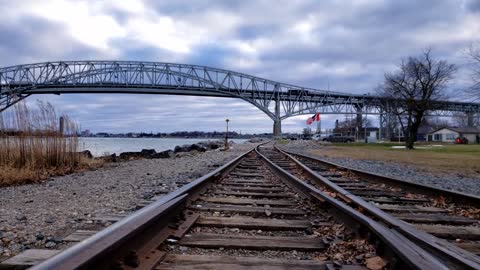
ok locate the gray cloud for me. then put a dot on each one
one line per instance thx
(343, 45)
(35, 39)
(473, 5)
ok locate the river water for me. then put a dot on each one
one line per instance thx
(108, 146)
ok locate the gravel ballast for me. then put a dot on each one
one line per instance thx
(41, 215)
(451, 181)
(412, 174)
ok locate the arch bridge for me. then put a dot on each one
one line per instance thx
(278, 100)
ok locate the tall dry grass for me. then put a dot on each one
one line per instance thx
(32, 147)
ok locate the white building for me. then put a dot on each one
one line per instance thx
(448, 134)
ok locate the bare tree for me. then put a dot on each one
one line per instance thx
(349, 125)
(436, 121)
(474, 53)
(418, 81)
(367, 122)
(460, 119)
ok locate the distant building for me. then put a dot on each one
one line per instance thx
(358, 133)
(85, 133)
(423, 132)
(102, 135)
(449, 134)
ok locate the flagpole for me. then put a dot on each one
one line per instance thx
(226, 136)
(319, 126)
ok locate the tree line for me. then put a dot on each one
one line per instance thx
(181, 134)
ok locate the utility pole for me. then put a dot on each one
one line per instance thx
(365, 127)
(61, 128)
(319, 126)
(226, 136)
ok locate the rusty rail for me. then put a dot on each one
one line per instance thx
(134, 236)
(449, 194)
(406, 251)
(448, 253)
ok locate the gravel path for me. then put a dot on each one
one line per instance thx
(40, 215)
(452, 181)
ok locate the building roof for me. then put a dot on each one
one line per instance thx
(473, 130)
(423, 129)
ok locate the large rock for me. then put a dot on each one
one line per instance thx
(215, 145)
(130, 155)
(109, 158)
(164, 154)
(211, 145)
(197, 147)
(190, 147)
(86, 154)
(148, 153)
(145, 153)
(181, 148)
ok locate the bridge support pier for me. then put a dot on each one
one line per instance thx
(385, 129)
(277, 129)
(277, 121)
(381, 124)
(359, 121)
(469, 119)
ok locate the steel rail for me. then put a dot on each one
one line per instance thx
(413, 256)
(138, 229)
(456, 196)
(448, 253)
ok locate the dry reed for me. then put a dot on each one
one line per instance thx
(32, 146)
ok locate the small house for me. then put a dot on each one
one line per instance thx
(449, 134)
(423, 132)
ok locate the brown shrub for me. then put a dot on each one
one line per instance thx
(35, 145)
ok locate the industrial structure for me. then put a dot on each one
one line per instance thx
(278, 100)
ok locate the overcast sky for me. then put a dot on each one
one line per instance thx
(344, 45)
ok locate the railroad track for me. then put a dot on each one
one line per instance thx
(251, 213)
(448, 215)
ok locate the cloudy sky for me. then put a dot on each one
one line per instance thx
(343, 45)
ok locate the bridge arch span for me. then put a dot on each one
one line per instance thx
(62, 77)
(278, 100)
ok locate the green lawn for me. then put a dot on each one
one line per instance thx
(435, 148)
(452, 158)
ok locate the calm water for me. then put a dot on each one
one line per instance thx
(102, 146)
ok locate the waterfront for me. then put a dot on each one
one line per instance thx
(108, 146)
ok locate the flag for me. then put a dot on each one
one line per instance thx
(315, 117)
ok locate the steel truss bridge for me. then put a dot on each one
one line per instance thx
(278, 100)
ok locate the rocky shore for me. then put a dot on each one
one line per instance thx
(152, 154)
(41, 215)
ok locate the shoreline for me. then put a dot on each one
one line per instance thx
(99, 146)
(11, 175)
